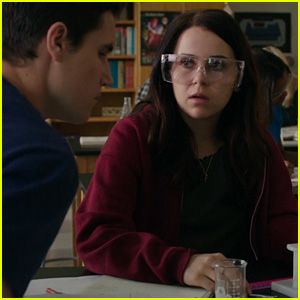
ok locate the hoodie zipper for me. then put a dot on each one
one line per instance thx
(254, 211)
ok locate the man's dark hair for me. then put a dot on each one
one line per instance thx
(25, 24)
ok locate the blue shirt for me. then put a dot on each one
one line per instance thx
(40, 179)
(276, 124)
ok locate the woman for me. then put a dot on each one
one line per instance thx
(189, 178)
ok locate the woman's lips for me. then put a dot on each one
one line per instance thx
(198, 98)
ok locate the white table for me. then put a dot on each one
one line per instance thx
(102, 286)
(289, 136)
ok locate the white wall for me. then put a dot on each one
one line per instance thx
(276, 7)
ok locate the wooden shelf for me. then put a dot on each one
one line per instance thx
(117, 90)
(120, 56)
(91, 120)
(102, 119)
(125, 23)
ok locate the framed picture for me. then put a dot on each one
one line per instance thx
(266, 29)
(153, 26)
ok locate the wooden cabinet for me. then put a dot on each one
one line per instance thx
(126, 52)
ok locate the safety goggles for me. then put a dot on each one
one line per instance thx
(182, 68)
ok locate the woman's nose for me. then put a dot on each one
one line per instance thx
(199, 75)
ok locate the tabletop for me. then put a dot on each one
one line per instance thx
(259, 276)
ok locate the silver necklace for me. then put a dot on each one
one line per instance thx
(205, 171)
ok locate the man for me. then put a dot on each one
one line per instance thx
(54, 63)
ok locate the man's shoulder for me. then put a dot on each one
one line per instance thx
(31, 146)
(31, 133)
(41, 158)
(23, 125)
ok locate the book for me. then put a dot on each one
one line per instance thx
(117, 45)
(129, 40)
(129, 74)
(121, 80)
(113, 65)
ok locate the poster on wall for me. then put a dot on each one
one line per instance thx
(266, 29)
(153, 26)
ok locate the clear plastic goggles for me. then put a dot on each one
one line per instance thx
(182, 69)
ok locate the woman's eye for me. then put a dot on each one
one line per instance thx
(187, 62)
(216, 64)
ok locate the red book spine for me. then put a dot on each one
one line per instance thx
(129, 74)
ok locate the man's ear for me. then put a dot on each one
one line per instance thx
(57, 43)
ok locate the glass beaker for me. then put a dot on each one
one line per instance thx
(231, 278)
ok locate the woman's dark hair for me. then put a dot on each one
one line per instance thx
(171, 139)
(25, 24)
(270, 69)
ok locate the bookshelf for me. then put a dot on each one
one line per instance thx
(125, 61)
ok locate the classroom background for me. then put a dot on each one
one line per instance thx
(137, 36)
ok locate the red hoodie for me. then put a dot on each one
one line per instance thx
(128, 223)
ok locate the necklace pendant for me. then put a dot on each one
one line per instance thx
(205, 178)
(205, 171)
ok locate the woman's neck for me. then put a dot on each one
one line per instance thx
(205, 135)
